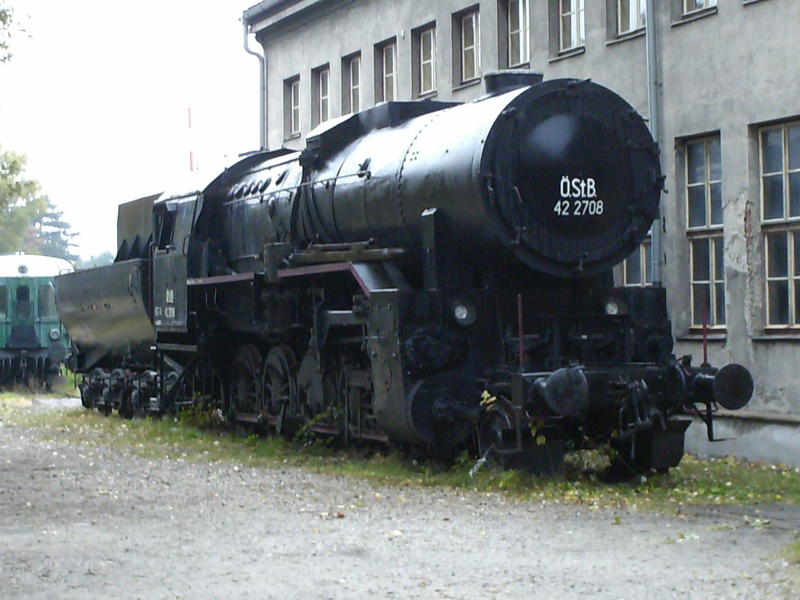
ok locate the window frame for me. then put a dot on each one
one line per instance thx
(579, 27)
(474, 15)
(787, 225)
(709, 232)
(707, 4)
(523, 14)
(383, 76)
(644, 251)
(351, 92)
(291, 119)
(421, 60)
(641, 19)
(321, 101)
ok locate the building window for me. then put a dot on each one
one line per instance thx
(690, 6)
(518, 33)
(291, 107)
(637, 268)
(351, 84)
(424, 57)
(703, 188)
(470, 46)
(572, 20)
(780, 211)
(630, 15)
(321, 95)
(386, 71)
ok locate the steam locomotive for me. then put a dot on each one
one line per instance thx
(424, 273)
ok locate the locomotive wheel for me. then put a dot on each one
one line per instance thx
(281, 397)
(246, 390)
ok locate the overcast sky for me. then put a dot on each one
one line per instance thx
(97, 96)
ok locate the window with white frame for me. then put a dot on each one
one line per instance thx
(321, 91)
(470, 46)
(291, 105)
(426, 61)
(690, 6)
(573, 27)
(386, 71)
(703, 189)
(351, 84)
(637, 268)
(630, 15)
(779, 147)
(518, 33)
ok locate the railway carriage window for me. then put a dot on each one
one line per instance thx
(630, 16)
(291, 106)
(572, 24)
(780, 214)
(23, 302)
(47, 302)
(424, 60)
(351, 84)
(3, 300)
(469, 46)
(703, 188)
(320, 82)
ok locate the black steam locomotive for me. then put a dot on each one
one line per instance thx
(425, 273)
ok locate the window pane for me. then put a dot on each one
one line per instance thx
(648, 264)
(778, 302)
(625, 15)
(716, 204)
(797, 256)
(773, 197)
(695, 162)
(697, 206)
(566, 32)
(714, 159)
(719, 304)
(468, 31)
(701, 270)
(427, 78)
(701, 303)
(513, 15)
(427, 46)
(794, 146)
(772, 151)
(513, 49)
(719, 258)
(794, 194)
(47, 302)
(796, 300)
(777, 255)
(469, 65)
(3, 300)
(633, 267)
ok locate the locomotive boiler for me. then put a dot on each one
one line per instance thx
(426, 273)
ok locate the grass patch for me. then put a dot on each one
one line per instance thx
(192, 437)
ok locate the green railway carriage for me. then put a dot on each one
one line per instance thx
(33, 342)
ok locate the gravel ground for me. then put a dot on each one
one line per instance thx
(79, 521)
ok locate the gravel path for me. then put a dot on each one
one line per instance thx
(91, 522)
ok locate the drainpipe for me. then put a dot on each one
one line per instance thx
(654, 103)
(262, 96)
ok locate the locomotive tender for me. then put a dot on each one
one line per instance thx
(33, 342)
(426, 273)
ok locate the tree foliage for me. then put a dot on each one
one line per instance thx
(6, 20)
(21, 203)
(50, 235)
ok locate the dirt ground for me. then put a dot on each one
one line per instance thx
(80, 522)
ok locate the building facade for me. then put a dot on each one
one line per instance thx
(729, 90)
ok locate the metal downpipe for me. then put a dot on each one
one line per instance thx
(654, 104)
(262, 115)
